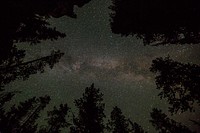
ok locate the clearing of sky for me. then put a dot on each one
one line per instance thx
(118, 65)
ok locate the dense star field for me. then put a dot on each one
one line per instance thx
(118, 65)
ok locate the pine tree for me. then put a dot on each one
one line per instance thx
(157, 22)
(163, 124)
(28, 124)
(22, 118)
(118, 123)
(179, 83)
(91, 112)
(56, 120)
(4, 97)
(26, 21)
(22, 70)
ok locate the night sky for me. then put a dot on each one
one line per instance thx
(119, 66)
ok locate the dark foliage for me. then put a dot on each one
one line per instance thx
(91, 112)
(4, 98)
(157, 21)
(35, 29)
(32, 30)
(179, 83)
(195, 122)
(22, 118)
(163, 124)
(119, 124)
(56, 120)
(15, 68)
(136, 128)
(25, 21)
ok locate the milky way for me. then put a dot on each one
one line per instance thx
(119, 66)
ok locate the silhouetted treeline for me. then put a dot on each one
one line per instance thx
(26, 21)
(118, 123)
(157, 21)
(15, 68)
(163, 124)
(89, 118)
(161, 22)
(179, 83)
(21, 118)
(91, 112)
(56, 120)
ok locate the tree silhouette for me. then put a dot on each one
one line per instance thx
(27, 21)
(90, 112)
(179, 83)
(16, 69)
(136, 128)
(56, 120)
(119, 124)
(28, 124)
(163, 124)
(35, 29)
(4, 98)
(32, 30)
(22, 118)
(157, 22)
(195, 122)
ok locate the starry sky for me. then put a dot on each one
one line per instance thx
(119, 66)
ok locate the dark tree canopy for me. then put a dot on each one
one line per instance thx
(26, 21)
(136, 128)
(179, 83)
(163, 124)
(15, 68)
(91, 112)
(118, 123)
(4, 98)
(22, 118)
(56, 120)
(22, 27)
(90, 119)
(157, 21)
